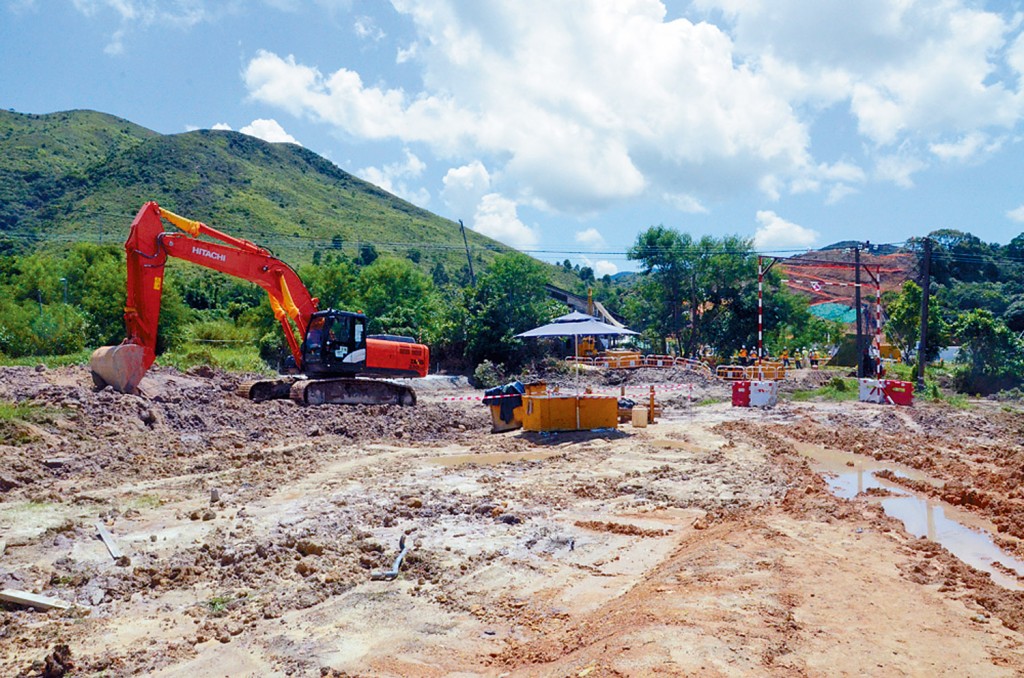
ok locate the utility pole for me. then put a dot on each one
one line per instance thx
(856, 302)
(469, 259)
(926, 283)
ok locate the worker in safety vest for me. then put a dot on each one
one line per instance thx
(813, 359)
(785, 357)
(743, 355)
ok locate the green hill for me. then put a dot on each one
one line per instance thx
(81, 176)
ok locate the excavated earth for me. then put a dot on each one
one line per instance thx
(708, 543)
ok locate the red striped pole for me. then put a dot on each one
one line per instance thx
(760, 309)
(878, 316)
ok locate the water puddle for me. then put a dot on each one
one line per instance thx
(492, 459)
(963, 534)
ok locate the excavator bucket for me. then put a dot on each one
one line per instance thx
(121, 367)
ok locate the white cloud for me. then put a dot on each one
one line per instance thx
(222, 126)
(464, 187)
(685, 203)
(581, 108)
(604, 267)
(268, 130)
(908, 69)
(777, 233)
(365, 28)
(393, 178)
(583, 104)
(899, 169)
(591, 238)
(967, 147)
(1016, 214)
(135, 14)
(496, 218)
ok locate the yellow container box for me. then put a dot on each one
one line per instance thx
(570, 413)
(499, 426)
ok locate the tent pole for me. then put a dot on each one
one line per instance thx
(576, 349)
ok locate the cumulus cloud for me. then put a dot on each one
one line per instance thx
(496, 217)
(580, 105)
(1016, 214)
(464, 187)
(394, 177)
(775, 232)
(222, 126)
(268, 130)
(913, 69)
(604, 267)
(591, 238)
(582, 108)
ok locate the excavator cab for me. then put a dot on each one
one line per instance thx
(335, 344)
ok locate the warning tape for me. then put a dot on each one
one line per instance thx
(599, 394)
(816, 284)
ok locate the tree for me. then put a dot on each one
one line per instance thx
(397, 298)
(903, 326)
(367, 255)
(509, 299)
(992, 356)
(439, 275)
(699, 292)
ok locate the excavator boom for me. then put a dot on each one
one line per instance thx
(147, 248)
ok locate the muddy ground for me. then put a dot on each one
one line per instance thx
(705, 544)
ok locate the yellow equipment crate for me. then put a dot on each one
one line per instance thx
(570, 413)
(499, 426)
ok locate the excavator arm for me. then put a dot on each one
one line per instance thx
(148, 247)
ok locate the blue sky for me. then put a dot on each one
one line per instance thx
(565, 127)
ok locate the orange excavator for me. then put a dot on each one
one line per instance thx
(330, 348)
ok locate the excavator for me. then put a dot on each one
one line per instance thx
(329, 347)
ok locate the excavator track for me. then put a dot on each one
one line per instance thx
(351, 391)
(266, 389)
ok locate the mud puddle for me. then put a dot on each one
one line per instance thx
(964, 535)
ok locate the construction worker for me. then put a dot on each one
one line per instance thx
(743, 355)
(785, 357)
(813, 358)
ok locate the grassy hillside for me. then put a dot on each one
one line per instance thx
(82, 175)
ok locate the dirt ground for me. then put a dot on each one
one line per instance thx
(706, 544)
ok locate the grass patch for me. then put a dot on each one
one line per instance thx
(16, 420)
(147, 501)
(232, 358)
(218, 604)
(838, 389)
(79, 358)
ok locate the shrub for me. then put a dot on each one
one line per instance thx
(488, 375)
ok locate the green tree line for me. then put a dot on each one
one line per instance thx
(690, 295)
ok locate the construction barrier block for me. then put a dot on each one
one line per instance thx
(741, 394)
(900, 392)
(872, 391)
(764, 393)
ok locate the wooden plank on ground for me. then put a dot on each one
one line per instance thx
(33, 600)
(108, 539)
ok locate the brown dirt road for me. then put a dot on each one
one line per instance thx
(703, 545)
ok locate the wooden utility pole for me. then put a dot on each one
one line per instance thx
(469, 259)
(856, 302)
(926, 284)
